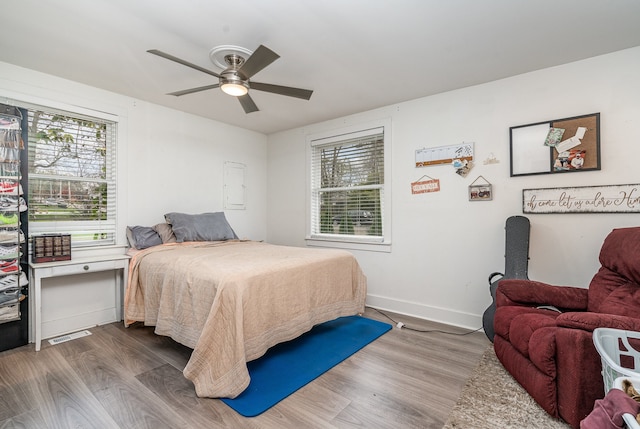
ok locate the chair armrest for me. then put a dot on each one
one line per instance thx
(533, 293)
(588, 321)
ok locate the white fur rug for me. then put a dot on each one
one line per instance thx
(493, 399)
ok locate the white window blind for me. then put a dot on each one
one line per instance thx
(72, 180)
(347, 186)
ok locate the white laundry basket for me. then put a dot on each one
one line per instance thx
(612, 344)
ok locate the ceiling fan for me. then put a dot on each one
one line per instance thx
(235, 79)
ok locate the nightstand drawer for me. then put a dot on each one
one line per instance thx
(80, 267)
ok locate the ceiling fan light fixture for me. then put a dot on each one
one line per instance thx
(231, 83)
(235, 89)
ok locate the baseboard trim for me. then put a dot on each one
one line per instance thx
(54, 328)
(427, 312)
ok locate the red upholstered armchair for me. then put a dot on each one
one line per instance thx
(550, 353)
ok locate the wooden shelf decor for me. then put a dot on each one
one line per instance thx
(556, 146)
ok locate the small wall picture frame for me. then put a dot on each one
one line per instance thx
(482, 191)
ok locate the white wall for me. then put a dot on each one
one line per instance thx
(167, 161)
(444, 246)
(176, 163)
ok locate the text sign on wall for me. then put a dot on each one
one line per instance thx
(584, 199)
(425, 186)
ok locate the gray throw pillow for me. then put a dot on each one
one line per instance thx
(141, 237)
(200, 227)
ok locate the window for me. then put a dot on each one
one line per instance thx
(349, 187)
(72, 181)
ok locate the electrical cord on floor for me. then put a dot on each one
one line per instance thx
(401, 325)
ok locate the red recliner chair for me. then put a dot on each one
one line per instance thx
(551, 353)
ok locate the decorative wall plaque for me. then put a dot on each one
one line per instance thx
(584, 199)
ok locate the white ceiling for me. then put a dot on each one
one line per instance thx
(355, 54)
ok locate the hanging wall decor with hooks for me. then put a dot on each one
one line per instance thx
(423, 186)
(481, 191)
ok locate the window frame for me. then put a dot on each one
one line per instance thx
(81, 226)
(355, 242)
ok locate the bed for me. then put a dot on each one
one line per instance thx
(230, 300)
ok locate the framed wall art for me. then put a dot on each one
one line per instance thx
(480, 190)
(556, 146)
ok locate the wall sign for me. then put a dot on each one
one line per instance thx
(424, 186)
(584, 199)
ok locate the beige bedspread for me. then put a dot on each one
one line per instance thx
(231, 301)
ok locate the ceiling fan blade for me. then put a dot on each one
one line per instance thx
(261, 58)
(183, 62)
(192, 90)
(247, 104)
(305, 94)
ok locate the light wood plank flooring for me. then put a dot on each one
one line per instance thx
(131, 378)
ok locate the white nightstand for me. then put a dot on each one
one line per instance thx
(45, 270)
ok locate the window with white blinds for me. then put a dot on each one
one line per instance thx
(72, 177)
(348, 187)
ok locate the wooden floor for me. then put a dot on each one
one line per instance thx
(131, 378)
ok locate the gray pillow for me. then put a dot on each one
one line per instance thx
(141, 237)
(200, 227)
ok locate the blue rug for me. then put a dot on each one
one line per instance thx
(287, 367)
